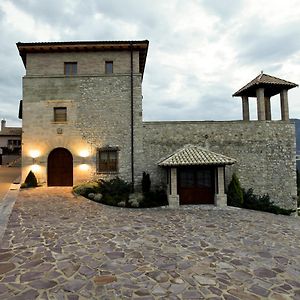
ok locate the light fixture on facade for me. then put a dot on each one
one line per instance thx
(34, 154)
(84, 153)
(83, 167)
(35, 168)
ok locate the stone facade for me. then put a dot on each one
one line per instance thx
(98, 111)
(99, 115)
(264, 150)
(10, 143)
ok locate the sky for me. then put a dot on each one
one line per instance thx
(200, 51)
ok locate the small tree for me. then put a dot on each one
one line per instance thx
(234, 192)
(146, 183)
(31, 180)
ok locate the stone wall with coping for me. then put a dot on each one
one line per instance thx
(264, 150)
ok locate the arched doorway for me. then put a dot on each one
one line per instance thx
(60, 167)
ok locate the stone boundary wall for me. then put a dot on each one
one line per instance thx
(264, 150)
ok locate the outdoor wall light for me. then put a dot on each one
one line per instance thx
(34, 154)
(35, 168)
(83, 167)
(84, 153)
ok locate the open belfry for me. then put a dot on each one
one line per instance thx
(82, 120)
(263, 87)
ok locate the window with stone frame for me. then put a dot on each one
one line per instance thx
(60, 114)
(107, 160)
(109, 67)
(70, 69)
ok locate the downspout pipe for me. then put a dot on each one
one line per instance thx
(132, 119)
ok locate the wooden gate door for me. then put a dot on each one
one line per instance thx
(196, 185)
(60, 168)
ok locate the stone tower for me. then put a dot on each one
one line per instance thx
(82, 110)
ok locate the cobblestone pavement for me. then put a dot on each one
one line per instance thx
(58, 246)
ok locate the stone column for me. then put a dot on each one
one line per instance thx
(268, 108)
(261, 112)
(220, 196)
(246, 114)
(173, 198)
(284, 105)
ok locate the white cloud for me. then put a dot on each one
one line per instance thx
(201, 51)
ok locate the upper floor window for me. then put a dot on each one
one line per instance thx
(14, 143)
(60, 114)
(70, 68)
(108, 67)
(107, 160)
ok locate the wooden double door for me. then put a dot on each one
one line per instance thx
(60, 168)
(196, 185)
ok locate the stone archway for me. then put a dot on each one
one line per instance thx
(60, 168)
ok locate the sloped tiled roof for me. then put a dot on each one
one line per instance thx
(272, 85)
(11, 131)
(191, 155)
(42, 47)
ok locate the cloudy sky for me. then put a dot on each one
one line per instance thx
(200, 53)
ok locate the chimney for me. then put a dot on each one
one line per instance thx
(3, 123)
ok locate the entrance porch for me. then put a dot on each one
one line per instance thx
(196, 175)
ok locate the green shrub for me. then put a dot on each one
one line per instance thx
(86, 188)
(263, 203)
(114, 191)
(146, 183)
(155, 198)
(23, 185)
(30, 180)
(234, 192)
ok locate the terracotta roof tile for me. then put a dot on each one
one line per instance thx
(35, 47)
(266, 81)
(195, 155)
(7, 131)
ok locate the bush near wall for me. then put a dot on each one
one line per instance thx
(30, 181)
(155, 198)
(117, 192)
(114, 191)
(234, 192)
(263, 203)
(84, 189)
(236, 196)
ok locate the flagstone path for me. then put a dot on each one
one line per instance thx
(58, 246)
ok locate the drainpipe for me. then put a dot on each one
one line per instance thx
(132, 120)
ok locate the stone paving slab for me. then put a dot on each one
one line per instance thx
(58, 246)
(6, 206)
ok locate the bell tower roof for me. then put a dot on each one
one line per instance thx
(272, 86)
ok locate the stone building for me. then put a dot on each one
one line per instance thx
(10, 143)
(82, 119)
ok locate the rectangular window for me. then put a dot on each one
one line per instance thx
(107, 160)
(70, 68)
(60, 114)
(108, 67)
(13, 144)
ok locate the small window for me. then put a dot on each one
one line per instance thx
(60, 114)
(70, 68)
(107, 160)
(108, 67)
